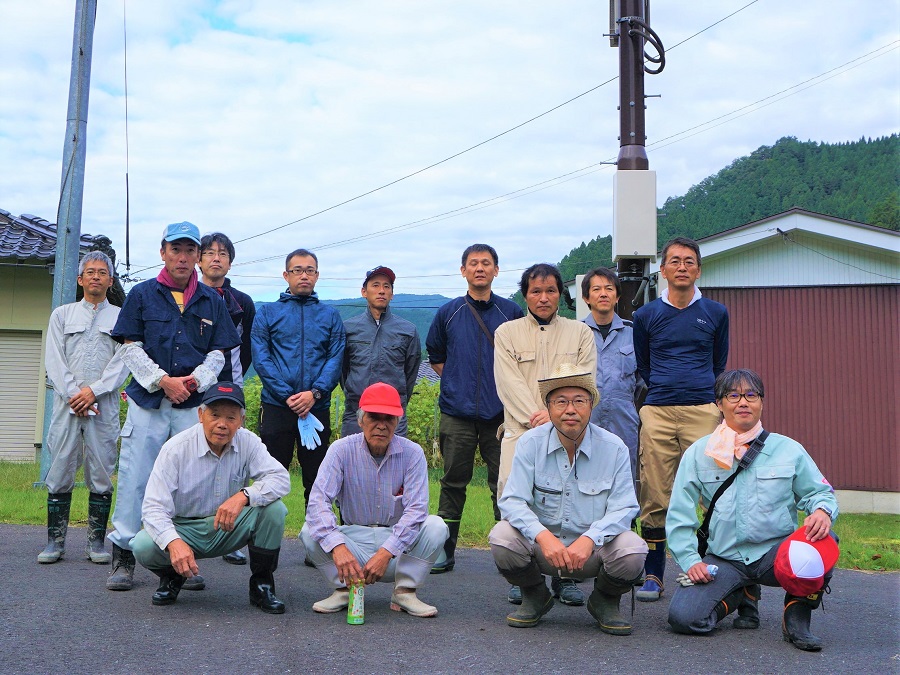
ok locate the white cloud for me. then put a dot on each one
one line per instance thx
(244, 116)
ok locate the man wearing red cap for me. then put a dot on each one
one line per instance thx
(380, 481)
(750, 530)
(381, 347)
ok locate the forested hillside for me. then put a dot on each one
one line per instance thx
(858, 181)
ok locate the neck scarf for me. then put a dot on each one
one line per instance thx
(726, 444)
(166, 280)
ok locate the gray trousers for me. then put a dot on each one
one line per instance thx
(262, 526)
(693, 608)
(407, 570)
(92, 440)
(622, 557)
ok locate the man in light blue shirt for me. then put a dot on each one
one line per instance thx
(567, 508)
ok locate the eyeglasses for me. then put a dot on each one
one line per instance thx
(678, 262)
(95, 273)
(749, 396)
(209, 253)
(580, 403)
(299, 271)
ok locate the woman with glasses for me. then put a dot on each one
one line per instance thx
(750, 520)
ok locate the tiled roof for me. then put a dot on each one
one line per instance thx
(426, 371)
(28, 237)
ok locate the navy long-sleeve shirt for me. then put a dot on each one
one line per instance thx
(680, 352)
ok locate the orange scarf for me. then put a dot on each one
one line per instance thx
(726, 444)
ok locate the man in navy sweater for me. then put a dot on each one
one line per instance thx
(681, 345)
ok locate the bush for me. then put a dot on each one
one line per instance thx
(423, 415)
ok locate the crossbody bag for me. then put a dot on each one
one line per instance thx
(754, 449)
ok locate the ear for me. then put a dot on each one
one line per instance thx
(199, 414)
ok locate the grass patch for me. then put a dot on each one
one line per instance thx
(868, 541)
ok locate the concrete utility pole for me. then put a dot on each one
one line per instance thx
(634, 184)
(68, 228)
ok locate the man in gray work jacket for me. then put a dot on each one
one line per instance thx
(381, 347)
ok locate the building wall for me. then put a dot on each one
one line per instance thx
(809, 260)
(830, 360)
(25, 309)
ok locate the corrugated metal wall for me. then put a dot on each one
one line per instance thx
(830, 360)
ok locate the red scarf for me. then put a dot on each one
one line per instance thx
(166, 280)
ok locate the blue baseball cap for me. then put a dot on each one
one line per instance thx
(184, 230)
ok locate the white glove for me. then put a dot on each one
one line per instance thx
(142, 367)
(309, 428)
(207, 373)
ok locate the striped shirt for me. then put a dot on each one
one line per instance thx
(189, 481)
(391, 494)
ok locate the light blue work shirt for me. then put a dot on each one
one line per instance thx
(617, 378)
(756, 512)
(593, 496)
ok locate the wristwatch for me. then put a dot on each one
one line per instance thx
(246, 494)
(827, 511)
(316, 394)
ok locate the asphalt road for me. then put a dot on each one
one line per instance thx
(61, 619)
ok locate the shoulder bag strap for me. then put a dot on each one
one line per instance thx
(746, 460)
(481, 323)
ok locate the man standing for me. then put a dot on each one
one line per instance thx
(381, 347)
(617, 376)
(681, 345)
(530, 349)
(460, 347)
(86, 373)
(175, 330)
(567, 508)
(216, 257)
(190, 511)
(380, 481)
(298, 347)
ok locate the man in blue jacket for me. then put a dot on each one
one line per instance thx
(681, 345)
(298, 346)
(460, 347)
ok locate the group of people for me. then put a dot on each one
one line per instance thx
(583, 426)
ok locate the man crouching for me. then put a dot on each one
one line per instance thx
(567, 508)
(199, 503)
(380, 482)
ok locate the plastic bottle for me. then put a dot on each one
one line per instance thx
(356, 608)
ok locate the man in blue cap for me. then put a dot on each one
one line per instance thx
(174, 331)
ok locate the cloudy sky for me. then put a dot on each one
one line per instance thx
(247, 116)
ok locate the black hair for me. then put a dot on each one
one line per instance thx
(479, 248)
(300, 252)
(540, 271)
(207, 240)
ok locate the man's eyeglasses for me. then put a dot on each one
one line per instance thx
(749, 396)
(95, 273)
(678, 262)
(299, 271)
(580, 403)
(209, 253)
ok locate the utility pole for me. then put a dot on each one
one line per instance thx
(68, 227)
(634, 184)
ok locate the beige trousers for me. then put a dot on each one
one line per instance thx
(666, 432)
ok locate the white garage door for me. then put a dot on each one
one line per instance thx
(20, 385)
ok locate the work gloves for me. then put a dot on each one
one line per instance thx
(309, 427)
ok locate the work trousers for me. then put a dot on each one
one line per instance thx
(91, 440)
(458, 439)
(622, 556)
(512, 432)
(410, 569)
(261, 526)
(143, 434)
(279, 433)
(693, 608)
(666, 432)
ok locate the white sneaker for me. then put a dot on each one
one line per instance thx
(409, 603)
(335, 602)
